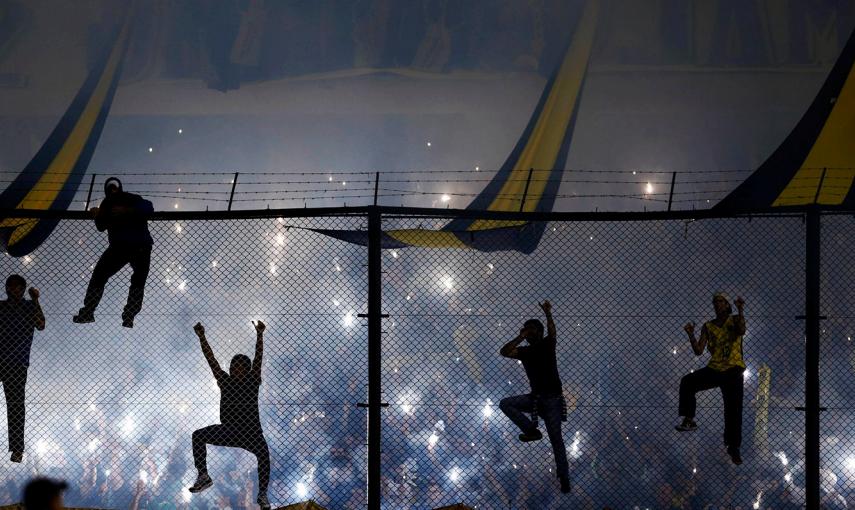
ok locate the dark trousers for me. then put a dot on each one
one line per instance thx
(730, 382)
(112, 260)
(14, 378)
(235, 437)
(550, 409)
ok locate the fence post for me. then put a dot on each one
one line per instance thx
(812, 332)
(232, 194)
(374, 355)
(671, 194)
(525, 192)
(89, 195)
(376, 186)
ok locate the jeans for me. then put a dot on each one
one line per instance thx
(14, 378)
(111, 262)
(235, 437)
(550, 409)
(730, 382)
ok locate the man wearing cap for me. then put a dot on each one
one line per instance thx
(19, 318)
(44, 494)
(124, 216)
(722, 337)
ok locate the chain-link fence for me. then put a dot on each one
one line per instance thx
(837, 363)
(113, 410)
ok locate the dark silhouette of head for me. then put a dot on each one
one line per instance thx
(240, 366)
(112, 185)
(44, 494)
(15, 287)
(721, 304)
(533, 329)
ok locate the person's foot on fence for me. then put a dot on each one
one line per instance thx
(203, 481)
(687, 425)
(527, 437)
(83, 317)
(734, 455)
(17, 457)
(565, 484)
(127, 321)
(263, 502)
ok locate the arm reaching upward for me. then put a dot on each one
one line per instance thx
(740, 318)
(207, 351)
(546, 306)
(259, 348)
(39, 318)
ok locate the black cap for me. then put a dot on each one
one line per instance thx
(39, 492)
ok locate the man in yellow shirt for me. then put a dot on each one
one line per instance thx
(722, 337)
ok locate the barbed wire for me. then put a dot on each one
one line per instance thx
(407, 193)
(330, 172)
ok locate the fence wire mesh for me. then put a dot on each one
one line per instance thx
(621, 293)
(837, 364)
(113, 410)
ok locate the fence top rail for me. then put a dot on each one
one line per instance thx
(417, 212)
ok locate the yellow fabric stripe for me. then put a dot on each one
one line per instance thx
(832, 150)
(427, 238)
(546, 138)
(44, 192)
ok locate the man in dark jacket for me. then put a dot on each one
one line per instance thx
(124, 216)
(19, 318)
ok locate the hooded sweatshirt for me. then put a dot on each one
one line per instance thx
(124, 217)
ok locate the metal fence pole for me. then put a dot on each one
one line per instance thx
(374, 355)
(232, 194)
(525, 192)
(89, 195)
(812, 324)
(671, 194)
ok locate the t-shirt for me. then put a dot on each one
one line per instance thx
(541, 367)
(17, 323)
(725, 345)
(239, 401)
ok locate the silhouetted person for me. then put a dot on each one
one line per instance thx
(546, 399)
(722, 337)
(19, 317)
(124, 216)
(240, 425)
(44, 494)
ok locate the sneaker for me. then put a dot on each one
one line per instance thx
(533, 436)
(263, 502)
(83, 317)
(203, 481)
(127, 322)
(735, 456)
(687, 426)
(565, 484)
(17, 457)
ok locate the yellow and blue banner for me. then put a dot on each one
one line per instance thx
(815, 165)
(541, 152)
(51, 179)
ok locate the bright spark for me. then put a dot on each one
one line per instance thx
(302, 490)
